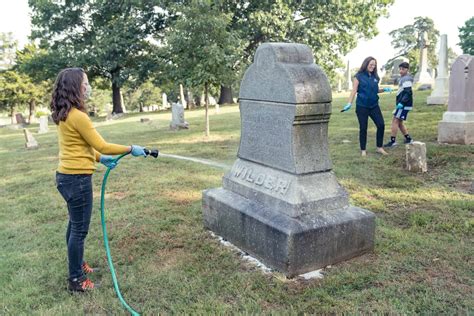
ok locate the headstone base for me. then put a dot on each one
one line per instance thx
(434, 100)
(456, 132)
(291, 245)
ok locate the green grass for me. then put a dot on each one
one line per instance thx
(168, 263)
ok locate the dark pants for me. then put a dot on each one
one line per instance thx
(76, 189)
(363, 115)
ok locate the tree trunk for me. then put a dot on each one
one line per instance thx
(181, 96)
(207, 109)
(116, 97)
(197, 100)
(226, 95)
(141, 107)
(32, 108)
(12, 113)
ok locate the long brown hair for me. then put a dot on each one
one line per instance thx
(67, 93)
(365, 65)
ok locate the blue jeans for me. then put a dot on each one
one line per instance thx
(76, 189)
(363, 115)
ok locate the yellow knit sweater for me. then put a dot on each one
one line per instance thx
(80, 144)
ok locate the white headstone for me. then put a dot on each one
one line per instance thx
(348, 77)
(416, 157)
(31, 142)
(43, 124)
(217, 108)
(177, 117)
(440, 92)
(165, 101)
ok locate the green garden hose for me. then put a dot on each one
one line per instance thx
(153, 153)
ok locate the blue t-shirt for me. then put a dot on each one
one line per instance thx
(368, 90)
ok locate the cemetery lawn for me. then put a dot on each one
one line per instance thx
(168, 263)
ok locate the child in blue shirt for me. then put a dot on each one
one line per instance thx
(404, 103)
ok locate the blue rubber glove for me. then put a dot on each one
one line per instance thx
(346, 107)
(108, 161)
(387, 89)
(399, 106)
(138, 151)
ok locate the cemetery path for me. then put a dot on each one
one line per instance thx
(198, 160)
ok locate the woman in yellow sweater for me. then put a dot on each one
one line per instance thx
(80, 147)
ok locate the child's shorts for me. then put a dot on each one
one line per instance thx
(401, 114)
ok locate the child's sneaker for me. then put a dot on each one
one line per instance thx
(390, 144)
(408, 141)
(87, 269)
(82, 284)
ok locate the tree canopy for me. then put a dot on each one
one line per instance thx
(111, 39)
(409, 39)
(466, 35)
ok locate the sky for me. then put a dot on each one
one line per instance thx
(448, 16)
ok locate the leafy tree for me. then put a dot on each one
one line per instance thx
(8, 47)
(330, 28)
(202, 50)
(146, 94)
(14, 88)
(107, 38)
(409, 39)
(466, 35)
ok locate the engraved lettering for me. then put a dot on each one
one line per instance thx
(269, 182)
(260, 179)
(238, 170)
(249, 176)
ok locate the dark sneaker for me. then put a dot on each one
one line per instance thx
(88, 269)
(408, 141)
(390, 144)
(81, 285)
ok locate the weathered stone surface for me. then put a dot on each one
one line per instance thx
(43, 124)
(416, 157)
(31, 142)
(280, 201)
(440, 92)
(291, 245)
(457, 126)
(423, 76)
(177, 117)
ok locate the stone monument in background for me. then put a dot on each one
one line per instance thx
(348, 77)
(43, 124)
(281, 202)
(457, 126)
(177, 117)
(423, 76)
(440, 92)
(31, 142)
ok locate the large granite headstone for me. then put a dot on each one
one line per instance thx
(440, 92)
(281, 202)
(457, 126)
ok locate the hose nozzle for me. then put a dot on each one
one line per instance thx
(151, 152)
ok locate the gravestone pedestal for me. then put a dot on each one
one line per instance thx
(281, 202)
(457, 126)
